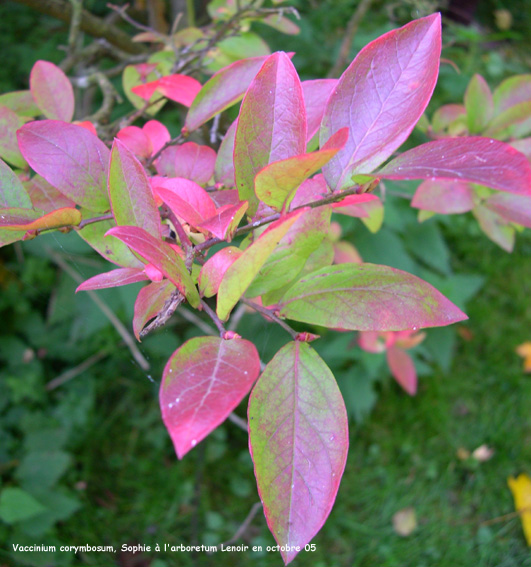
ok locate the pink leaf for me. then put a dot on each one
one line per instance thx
(226, 220)
(52, 91)
(403, 369)
(194, 162)
(444, 196)
(214, 268)
(316, 92)
(130, 192)
(474, 159)
(44, 196)
(310, 190)
(495, 226)
(114, 278)
(350, 205)
(149, 302)
(276, 183)
(179, 88)
(136, 140)
(224, 168)
(298, 438)
(515, 208)
(367, 297)
(447, 114)
(225, 197)
(222, 90)
(70, 158)
(382, 95)
(187, 200)
(157, 133)
(161, 255)
(9, 149)
(271, 124)
(204, 380)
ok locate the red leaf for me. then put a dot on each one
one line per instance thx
(382, 95)
(222, 90)
(70, 158)
(350, 205)
(478, 160)
(186, 199)
(276, 183)
(161, 255)
(271, 124)
(298, 437)
(224, 169)
(130, 192)
(403, 369)
(367, 297)
(179, 88)
(44, 196)
(194, 162)
(52, 91)
(114, 278)
(224, 223)
(316, 92)
(444, 197)
(149, 302)
(204, 380)
(214, 269)
(157, 133)
(516, 208)
(136, 140)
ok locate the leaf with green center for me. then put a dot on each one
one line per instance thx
(149, 303)
(271, 124)
(495, 226)
(222, 90)
(479, 105)
(130, 192)
(515, 122)
(70, 158)
(52, 91)
(512, 91)
(474, 159)
(31, 219)
(298, 438)
(448, 115)
(202, 383)
(114, 278)
(12, 192)
(276, 183)
(516, 208)
(288, 258)
(135, 75)
(224, 169)
(161, 255)
(367, 297)
(9, 149)
(382, 94)
(241, 273)
(21, 103)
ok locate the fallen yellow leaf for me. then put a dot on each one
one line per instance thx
(405, 522)
(524, 350)
(521, 489)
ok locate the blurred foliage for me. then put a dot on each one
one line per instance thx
(93, 451)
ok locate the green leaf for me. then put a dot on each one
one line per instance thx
(479, 104)
(42, 469)
(367, 297)
(242, 272)
(17, 505)
(12, 192)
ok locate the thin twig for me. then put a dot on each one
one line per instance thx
(237, 420)
(352, 28)
(75, 25)
(183, 237)
(197, 321)
(236, 317)
(215, 319)
(104, 308)
(86, 222)
(269, 313)
(77, 370)
(243, 527)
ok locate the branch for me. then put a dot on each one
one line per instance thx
(269, 314)
(77, 370)
(244, 526)
(94, 26)
(215, 319)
